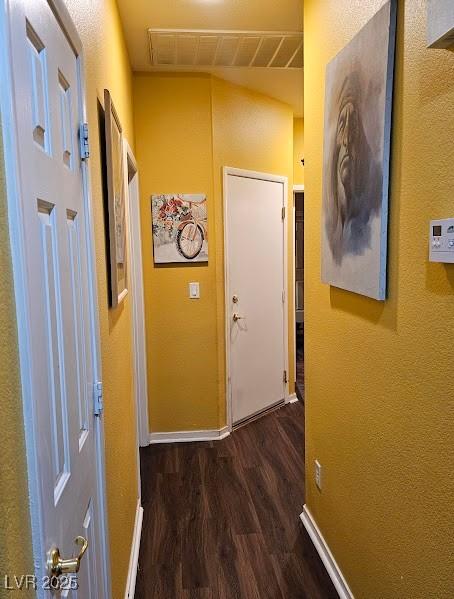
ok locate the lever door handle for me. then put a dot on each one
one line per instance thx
(57, 566)
(237, 317)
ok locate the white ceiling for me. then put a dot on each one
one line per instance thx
(239, 15)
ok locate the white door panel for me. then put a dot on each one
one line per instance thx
(48, 102)
(255, 234)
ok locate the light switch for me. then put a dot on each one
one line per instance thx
(194, 290)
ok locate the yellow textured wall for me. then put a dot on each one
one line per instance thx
(187, 127)
(15, 535)
(107, 66)
(174, 153)
(379, 384)
(298, 151)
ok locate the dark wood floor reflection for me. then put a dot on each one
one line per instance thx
(221, 519)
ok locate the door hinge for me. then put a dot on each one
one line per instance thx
(283, 213)
(84, 145)
(98, 405)
(283, 296)
(285, 378)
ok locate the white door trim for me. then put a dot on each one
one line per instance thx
(137, 304)
(22, 291)
(238, 172)
(139, 347)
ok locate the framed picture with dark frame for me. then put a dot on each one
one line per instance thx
(116, 201)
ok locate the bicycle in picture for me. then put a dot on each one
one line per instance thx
(180, 231)
(192, 230)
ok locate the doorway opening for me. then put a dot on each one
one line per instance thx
(298, 195)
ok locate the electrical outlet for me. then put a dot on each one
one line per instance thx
(318, 474)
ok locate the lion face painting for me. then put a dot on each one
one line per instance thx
(356, 159)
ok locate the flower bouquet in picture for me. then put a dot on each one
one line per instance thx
(180, 228)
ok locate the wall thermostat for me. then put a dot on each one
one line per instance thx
(441, 240)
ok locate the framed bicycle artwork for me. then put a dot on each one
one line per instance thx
(180, 228)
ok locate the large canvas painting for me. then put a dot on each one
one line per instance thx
(358, 106)
(116, 202)
(180, 228)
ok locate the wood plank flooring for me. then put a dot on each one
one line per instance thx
(299, 387)
(221, 519)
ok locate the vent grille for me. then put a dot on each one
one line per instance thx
(179, 48)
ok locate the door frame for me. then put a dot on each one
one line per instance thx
(296, 189)
(137, 302)
(22, 291)
(238, 172)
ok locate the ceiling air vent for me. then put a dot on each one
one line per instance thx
(196, 48)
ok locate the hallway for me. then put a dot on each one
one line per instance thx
(221, 518)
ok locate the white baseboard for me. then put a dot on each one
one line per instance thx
(134, 559)
(292, 398)
(190, 436)
(325, 554)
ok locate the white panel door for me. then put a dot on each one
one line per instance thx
(256, 283)
(48, 104)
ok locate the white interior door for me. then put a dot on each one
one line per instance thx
(49, 109)
(255, 293)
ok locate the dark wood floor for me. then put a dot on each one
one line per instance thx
(222, 521)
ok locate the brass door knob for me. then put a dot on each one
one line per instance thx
(57, 566)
